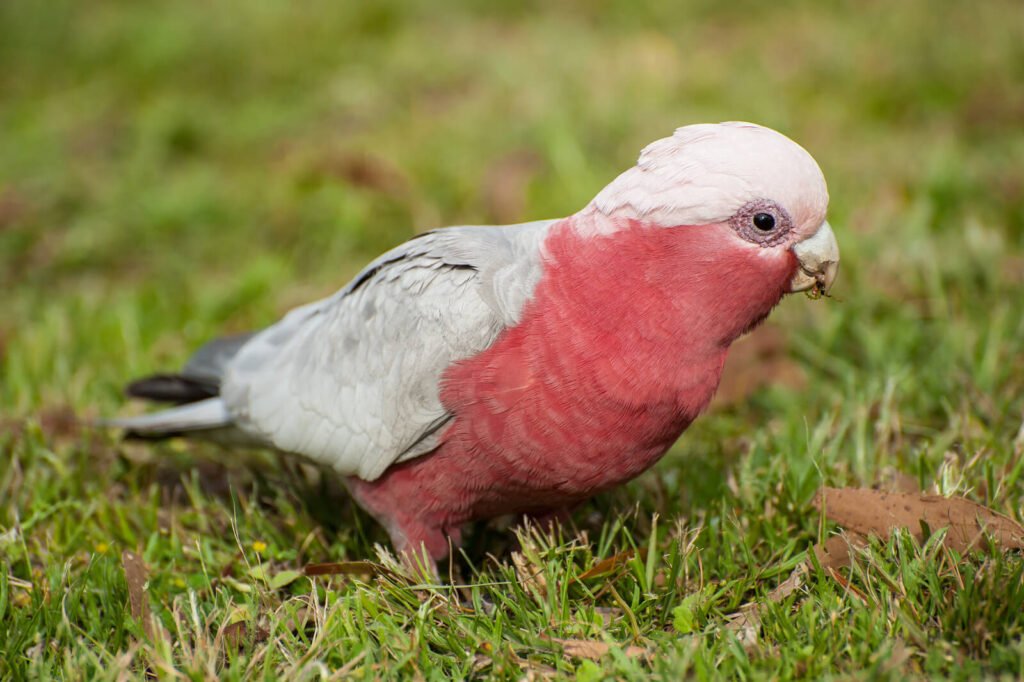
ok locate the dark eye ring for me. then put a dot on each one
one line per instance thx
(765, 222)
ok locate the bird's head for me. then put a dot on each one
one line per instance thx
(760, 190)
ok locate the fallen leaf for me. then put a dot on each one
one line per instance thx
(136, 575)
(865, 512)
(237, 634)
(595, 650)
(611, 564)
(873, 512)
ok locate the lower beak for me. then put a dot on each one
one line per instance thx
(819, 261)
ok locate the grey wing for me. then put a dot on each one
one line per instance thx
(353, 381)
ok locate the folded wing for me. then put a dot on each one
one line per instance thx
(353, 381)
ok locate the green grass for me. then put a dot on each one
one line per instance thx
(171, 170)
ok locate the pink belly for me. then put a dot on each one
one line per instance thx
(560, 462)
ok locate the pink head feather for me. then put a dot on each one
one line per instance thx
(704, 173)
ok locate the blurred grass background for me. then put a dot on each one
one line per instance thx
(173, 170)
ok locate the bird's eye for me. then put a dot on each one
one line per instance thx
(764, 222)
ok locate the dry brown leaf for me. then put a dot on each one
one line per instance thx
(594, 650)
(136, 574)
(236, 634)
(343, 568)
(865, 512)
(873, 512)
(611, 564)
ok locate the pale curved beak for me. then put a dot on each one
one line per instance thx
(819, 261)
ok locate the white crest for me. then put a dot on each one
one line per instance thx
(704, 173)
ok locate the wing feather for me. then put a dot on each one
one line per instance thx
(353, 381)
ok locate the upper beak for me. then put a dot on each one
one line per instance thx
(819, 261)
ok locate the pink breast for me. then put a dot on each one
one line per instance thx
(620, 348)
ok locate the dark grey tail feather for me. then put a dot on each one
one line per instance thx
(198, 380)
(171, 388)
(152, 437)
(207, 364)
(199, 411)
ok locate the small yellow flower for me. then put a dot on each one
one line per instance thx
(101, 547)
(179, 583)
(259, 547)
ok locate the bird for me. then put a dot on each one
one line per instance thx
(479, 371)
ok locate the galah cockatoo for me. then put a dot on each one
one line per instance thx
(479, 371)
